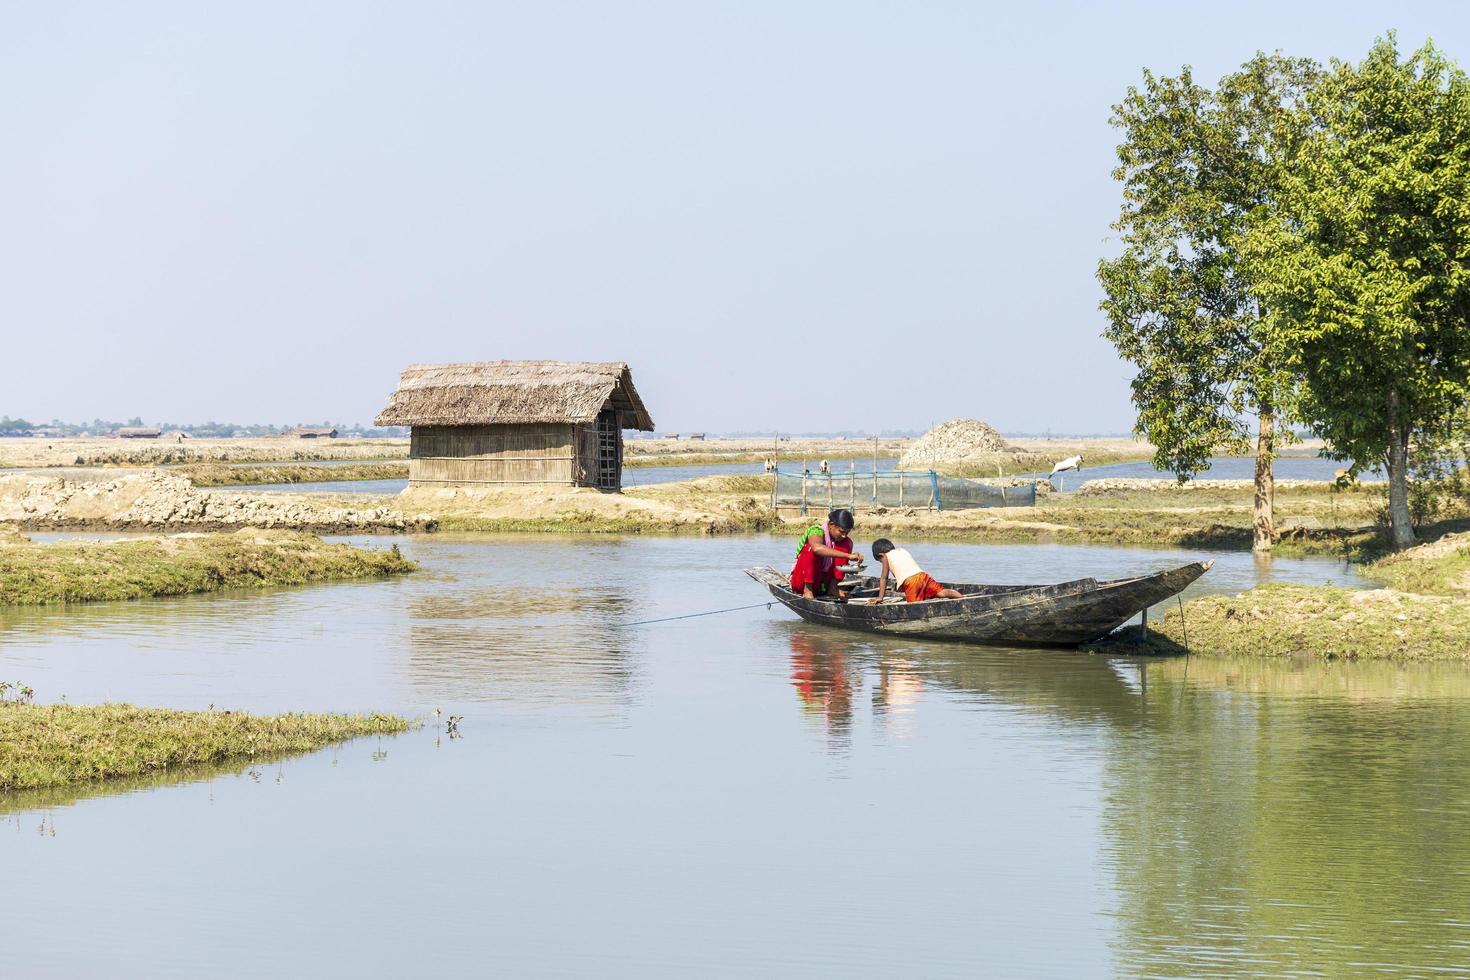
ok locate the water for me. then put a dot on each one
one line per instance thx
(644, 475)
(332, 486)
(740, 794)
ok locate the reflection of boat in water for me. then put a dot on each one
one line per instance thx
(1065, 614)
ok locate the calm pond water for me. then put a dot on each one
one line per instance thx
(739, 794)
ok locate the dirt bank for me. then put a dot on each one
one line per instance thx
(15, 452)
(711, 505)
(155, 500)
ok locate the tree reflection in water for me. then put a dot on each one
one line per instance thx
(1256, 818)
(1272, 818)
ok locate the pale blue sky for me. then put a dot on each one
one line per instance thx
(809, 216)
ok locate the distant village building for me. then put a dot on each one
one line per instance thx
(517, 422)
(696, 437)
(177, 435)
(306, 432)
(138, 432)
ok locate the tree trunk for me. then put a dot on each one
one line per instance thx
(1398, 476)
(1264, 522)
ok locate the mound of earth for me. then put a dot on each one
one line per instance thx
(955, 441)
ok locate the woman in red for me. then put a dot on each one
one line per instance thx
(824, 549)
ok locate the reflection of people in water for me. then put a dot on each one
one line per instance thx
(819, 674)
(899, 689)
(824, 549)
(826, 676)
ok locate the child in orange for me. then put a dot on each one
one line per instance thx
(915, 583)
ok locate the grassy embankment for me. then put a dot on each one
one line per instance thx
(1421, 612)
(220, 475)
(44, 746)
(1313, 518)
(68, 571)
(1310, 518)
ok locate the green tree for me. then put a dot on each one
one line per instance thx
(1200, 168)
(1368, 261)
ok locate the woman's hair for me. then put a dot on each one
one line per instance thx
(842, 518)
(882, 547)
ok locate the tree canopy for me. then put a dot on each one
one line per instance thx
(1200, 169)
(1367, 261)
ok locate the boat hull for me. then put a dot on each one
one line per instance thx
(1065, 614)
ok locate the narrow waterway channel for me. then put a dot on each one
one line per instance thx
(740, 793)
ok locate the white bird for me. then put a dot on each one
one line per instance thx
(1070, 463)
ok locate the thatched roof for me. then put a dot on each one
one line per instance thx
(489, 392)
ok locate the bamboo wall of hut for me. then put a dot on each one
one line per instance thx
(517, 422)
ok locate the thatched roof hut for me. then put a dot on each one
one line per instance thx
(138, 432)
(517, 421)
(311, 432)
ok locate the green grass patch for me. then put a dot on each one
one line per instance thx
(34, 574)
(218, 475)
(1322, 622)
(1441, 567)
(586, 522)
(1422, 614)
(45, 746)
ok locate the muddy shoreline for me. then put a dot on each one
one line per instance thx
(155, 500)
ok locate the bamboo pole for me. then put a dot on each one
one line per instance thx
(875, 469)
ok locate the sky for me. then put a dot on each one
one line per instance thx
(784, 216)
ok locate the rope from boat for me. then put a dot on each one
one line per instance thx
(1183, 625)
(712, 612)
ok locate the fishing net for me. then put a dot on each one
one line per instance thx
(895, 489)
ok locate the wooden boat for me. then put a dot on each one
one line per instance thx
(1066, 614)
